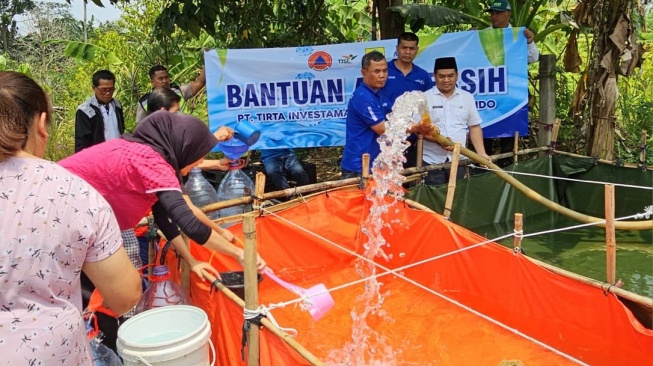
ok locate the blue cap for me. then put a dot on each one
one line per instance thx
(500, 5)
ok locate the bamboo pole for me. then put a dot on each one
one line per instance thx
(515, 147)
(420, 151)
(251, 284)
(259, 190)
(622, 225)
(610, 240)
(519, 229)
(644, 301)
(642, 149)
(627, 165)
(547, 72)
(453, 174)
(340, 183)
(301, 350)
(417, 205)
(554, 133)
(411, 171)
(366, 170)
(184, 277)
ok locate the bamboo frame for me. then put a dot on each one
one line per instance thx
(519, 228)
(259, 189)
(251, 283)
(451, 187)
(642, 149)
(609, 162)
(365, 170)
(622, 225)
(645, 303)
(420, 151)
(266, 323)
(610, 239)
(184, 277)
(515, 147)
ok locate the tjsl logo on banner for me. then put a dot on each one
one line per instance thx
(347, 59)
(320, 61)
(380, 49)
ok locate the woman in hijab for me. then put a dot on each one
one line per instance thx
(53, 226)
(143, 172)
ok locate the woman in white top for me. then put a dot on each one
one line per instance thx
(53, 226)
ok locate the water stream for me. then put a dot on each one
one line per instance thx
(369, 347)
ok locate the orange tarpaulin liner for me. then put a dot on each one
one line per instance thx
(575, 320)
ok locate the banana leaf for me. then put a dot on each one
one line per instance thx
(419, 15)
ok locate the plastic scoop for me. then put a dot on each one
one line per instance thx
(319, 298)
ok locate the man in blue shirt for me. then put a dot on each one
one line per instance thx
(404, 76)
(366, 113)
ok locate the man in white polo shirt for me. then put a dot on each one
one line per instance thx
(453, 111)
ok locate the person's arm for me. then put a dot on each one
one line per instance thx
(117, 280)
(172, 203)
(83, 131)
(196, 85)
(533, 52)
(476, 136)
(379, 128)
(207, 221)
(217, 164)
(140, 112)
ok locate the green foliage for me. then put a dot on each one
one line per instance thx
(635, 108)
(8, 10)
(420, 15)
(349, 20)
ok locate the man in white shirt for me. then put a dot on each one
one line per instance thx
(453, 111)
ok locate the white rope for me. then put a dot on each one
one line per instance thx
(637, 215)
(262, 310)
(562, 178)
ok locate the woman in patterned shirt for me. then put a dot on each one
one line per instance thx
(53, 226)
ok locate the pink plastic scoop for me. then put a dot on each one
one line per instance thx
(319, 298)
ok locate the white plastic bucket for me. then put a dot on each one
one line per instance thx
(167, 336)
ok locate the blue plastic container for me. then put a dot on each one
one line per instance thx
(233, 149)
(246, 132)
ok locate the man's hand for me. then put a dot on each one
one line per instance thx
(224, 133)
(450, 147)
(422, 129)
(529, 35)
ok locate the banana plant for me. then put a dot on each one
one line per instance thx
(86, 52)
(523, 14)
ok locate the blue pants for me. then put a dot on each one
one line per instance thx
(275, 169)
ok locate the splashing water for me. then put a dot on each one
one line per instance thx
(368, 346)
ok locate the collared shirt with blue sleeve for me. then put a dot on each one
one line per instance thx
(366, 109)
(398, 83)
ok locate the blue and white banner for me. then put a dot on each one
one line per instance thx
(298, 96)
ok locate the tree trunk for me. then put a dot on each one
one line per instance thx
(599, 116)
(391, 24)
(4, 32)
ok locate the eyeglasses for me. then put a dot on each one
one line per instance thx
(105, 90)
